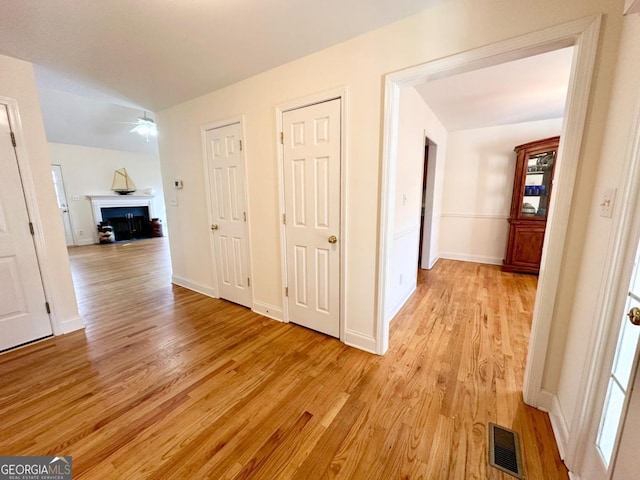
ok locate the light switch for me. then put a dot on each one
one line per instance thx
(606, 206)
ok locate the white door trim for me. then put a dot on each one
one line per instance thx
(39, 239)
(583, 34)
(325, 96)
(619, 260)
(203, 135)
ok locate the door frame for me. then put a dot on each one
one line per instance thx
(209, 193)
(280, 109)
(610, 308)
(64, 192)
(31, 200)
(583, 35)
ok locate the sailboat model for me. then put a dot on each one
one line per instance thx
(122, 183)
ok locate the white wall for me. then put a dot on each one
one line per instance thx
(89, 171)
(478, 184)
(360, 64)
(416, 123)
(17, 82)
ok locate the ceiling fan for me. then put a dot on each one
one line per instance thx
(145, 126)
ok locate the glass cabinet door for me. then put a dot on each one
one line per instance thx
(537, 185)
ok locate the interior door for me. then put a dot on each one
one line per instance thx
(226, 169)
(311, 141)
(63, 205)
(23, 314)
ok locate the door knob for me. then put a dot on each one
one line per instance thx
(333, 239)
(214, 226)
(634, 315)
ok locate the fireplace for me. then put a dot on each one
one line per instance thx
(129, 215)
(128, 222)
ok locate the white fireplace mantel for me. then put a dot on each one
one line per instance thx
(108, 201)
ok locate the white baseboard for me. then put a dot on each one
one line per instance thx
(358, 340)
(559, 423)
(463, 257)
(72, 324)
(545, 401)
(267, 310)
(196, 287)
(395, 308)
(85, 241)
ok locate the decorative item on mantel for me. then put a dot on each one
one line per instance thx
(122, 183)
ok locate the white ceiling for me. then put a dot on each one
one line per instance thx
(157, 53)
(533, 88)
(100, 63)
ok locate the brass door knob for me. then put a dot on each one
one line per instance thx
(214, 227)
(634, 315)
(333, 239)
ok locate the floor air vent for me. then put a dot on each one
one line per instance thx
(504, 450)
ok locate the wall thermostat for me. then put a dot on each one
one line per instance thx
(177, 184)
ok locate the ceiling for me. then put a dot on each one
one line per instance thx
(157, 53)
(99, 63)
(530, 89)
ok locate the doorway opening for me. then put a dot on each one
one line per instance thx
(581, 34)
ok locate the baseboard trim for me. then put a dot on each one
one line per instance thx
(86, 241)
(471, 258)
(267, 310)
(360, 341)
(195, 286)
(72, 324)
(400, 303)
(545, 401)
(559, 423)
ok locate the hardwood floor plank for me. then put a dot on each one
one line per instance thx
(165, 383)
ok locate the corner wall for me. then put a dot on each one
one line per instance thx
(416, 123)
(17, 82)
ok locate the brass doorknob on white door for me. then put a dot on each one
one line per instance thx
(634, 315)
(333, 239)
(214, 226)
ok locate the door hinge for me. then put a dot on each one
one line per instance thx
(282, 138)
(46, 305)
(248, 281)
(245, 216)
(240, 145)
(284, 218)
(286, 291)
(13, 139)
(31, 229)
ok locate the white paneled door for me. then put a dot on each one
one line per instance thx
(23, 312)
(311, 145)
(226, 170)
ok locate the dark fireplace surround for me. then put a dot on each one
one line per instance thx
(129, 215)
(128, 222)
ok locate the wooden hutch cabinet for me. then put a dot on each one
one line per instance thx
(532, 185)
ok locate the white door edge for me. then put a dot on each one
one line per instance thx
(31, 200)
(208, 191)
(325, 96)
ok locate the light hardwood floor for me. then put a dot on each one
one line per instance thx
(165, 383)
